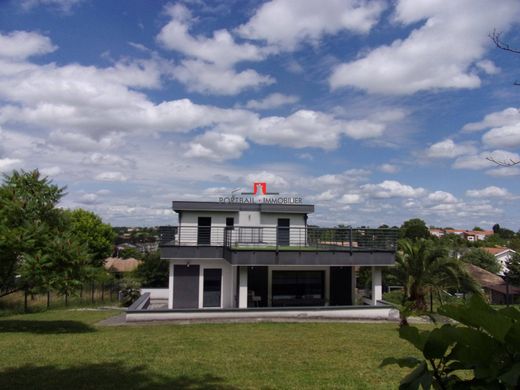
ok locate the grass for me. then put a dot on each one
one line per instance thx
(66, 349)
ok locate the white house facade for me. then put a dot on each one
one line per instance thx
(243, 256)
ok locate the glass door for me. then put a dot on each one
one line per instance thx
(212, 287)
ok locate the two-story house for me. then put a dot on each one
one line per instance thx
(261, 255)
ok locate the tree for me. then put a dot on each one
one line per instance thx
(513, 269)
(153, 271)
(414, 229)
(423, 267)
(90, 229)
(482, 259)
(28, 218)
(128, 253)
(35, 240)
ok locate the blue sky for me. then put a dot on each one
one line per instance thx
(375, 111)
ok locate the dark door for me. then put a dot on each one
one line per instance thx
(340, 286)
(212, 287)
(185, 286)
(204, 231)
(257, 281)
(282, 232)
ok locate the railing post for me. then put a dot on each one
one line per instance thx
(350, 240)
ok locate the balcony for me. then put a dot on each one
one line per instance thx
(254, 245)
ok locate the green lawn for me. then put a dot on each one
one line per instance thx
(64, 349)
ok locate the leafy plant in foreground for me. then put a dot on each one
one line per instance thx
(481, 350)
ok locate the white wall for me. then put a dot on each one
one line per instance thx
(227, 290)
(189, 223)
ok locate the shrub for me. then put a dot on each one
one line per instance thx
(481, 351)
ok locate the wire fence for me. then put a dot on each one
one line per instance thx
(94, 293)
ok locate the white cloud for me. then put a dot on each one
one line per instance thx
(89, 199)
(217, 146)
(504, 171)
(392, 189)
(19, 45)
(286, 23)
(111, 176)
(350, 199)
(63, 5)
(489, 192)
(273, 100)
(7, 164)
(51, 171)
(488, 66)
(503, 137)
(207, 78)
(209, 67)
(441, 197)
(273, 180)
(509, 116)
(480, 161)
(324, 196)
(439, 54)
(388, 168)
(449, 149)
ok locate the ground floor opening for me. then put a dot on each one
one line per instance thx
(218, 284)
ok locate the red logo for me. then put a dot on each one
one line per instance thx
(259, 185)
(260, 188)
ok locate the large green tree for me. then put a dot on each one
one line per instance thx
(90, 229)
(37, 250)
(414, 229)
(422, 266)
(153, 271)
(482, 259)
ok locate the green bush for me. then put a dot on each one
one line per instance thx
(481, 350)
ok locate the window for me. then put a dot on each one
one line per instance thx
(212, 287)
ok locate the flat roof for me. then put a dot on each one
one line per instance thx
(181, 205)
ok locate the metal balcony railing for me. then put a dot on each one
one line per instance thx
(280, 238)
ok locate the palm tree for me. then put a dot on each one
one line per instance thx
(423, 267)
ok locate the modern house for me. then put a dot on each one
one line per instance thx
(261, 256)
(503, 255)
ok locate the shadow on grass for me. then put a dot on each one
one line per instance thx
(103, 376)
(45, 327)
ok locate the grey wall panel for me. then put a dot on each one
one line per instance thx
(185, 286)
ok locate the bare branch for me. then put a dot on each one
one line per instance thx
(495, 37)
(504, 163)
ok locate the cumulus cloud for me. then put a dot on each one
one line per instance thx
(507, 117)
(392, 189)
(286, 23)
(503, 137)
(350, 199)
(51, 171)
(7, 164)
(273, 100)
(209, 67)
(489, 192)
(388, 168)
(217, 146)
(480, 161)
(441, 197)
(439, 54)
(62, 5)
(19, 45)
(111, 176)
(449, 149)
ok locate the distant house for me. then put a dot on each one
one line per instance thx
(119, 266)
(502, 254)
(494, 286)
(470, 235)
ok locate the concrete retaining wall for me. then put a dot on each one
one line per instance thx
(156, 293)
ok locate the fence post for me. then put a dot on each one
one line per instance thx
(92, 292)
(102, 292)
(67, 299)
(48, 299)
(25, 300)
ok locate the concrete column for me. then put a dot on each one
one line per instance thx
(377, 285)
(170, 287)
(353, 288)
(242, 288)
